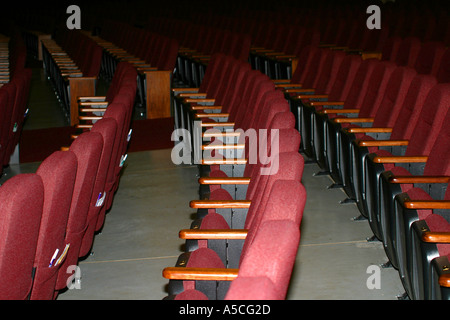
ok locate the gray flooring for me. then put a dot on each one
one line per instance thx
(140, 235)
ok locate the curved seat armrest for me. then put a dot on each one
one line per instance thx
(217, 124)
(220, 204)
(368, 130)
(353, 120)
(211, 115)
(400, 159)
(313, 96)
(436, 237)
(192, 95)
(328, 111)
(213, 234)
(180, 273)
(224, 180)
(210, 162)
(419, 179)
(427, 204)
(327, 103)
(382, 143)
(185, 90)
(93, 103)
(92, 109)
(194, 108)
(221, 134)
(444, 280)
(96, 98)
(198, 100)
(213, 146)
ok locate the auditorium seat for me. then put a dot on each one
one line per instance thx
(273, 213)
(430, 240)
(352, 100)
(401, 130)
(87, 148)
(107, 127)
(376, 87)
(21, 204)
(407, 154)
(58, 173)
(386, 115)
(432, 181)
(312, 104)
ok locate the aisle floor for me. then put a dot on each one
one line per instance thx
(140, 235)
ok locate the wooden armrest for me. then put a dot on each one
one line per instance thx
(368, 130)
(193, 90)
(194, 108)
(64, 148)
(210, 162)
(220, 204)
(328, 111)
(400, 159)
(327, 103)
(217, 124)
(92, 98)
(175, 273)
(427, 204)
(419, 179)
(211, 115)
(189, 100)
(89, 117)
(92, 109)
(223, 146)
(93, 103)
(382, 143)
(72, 74)
(213, 234)
(192, 94)
(303, 90)
(224, 180)
(436, 237)
(353, 120)
(313, 96)
(221, 134)
(83, 126)
(444, 280)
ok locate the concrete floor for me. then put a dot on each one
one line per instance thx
(140, 235)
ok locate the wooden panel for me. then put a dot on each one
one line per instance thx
(158, 94)
(79, 87)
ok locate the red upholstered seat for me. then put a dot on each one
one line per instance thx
(58, 173)
(21, 205)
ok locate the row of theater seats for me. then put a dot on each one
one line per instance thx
(70, 54)
(379, 128)
(146, 50)
(49, 218)
(142, 47)
(14, 93)
(244, 240)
